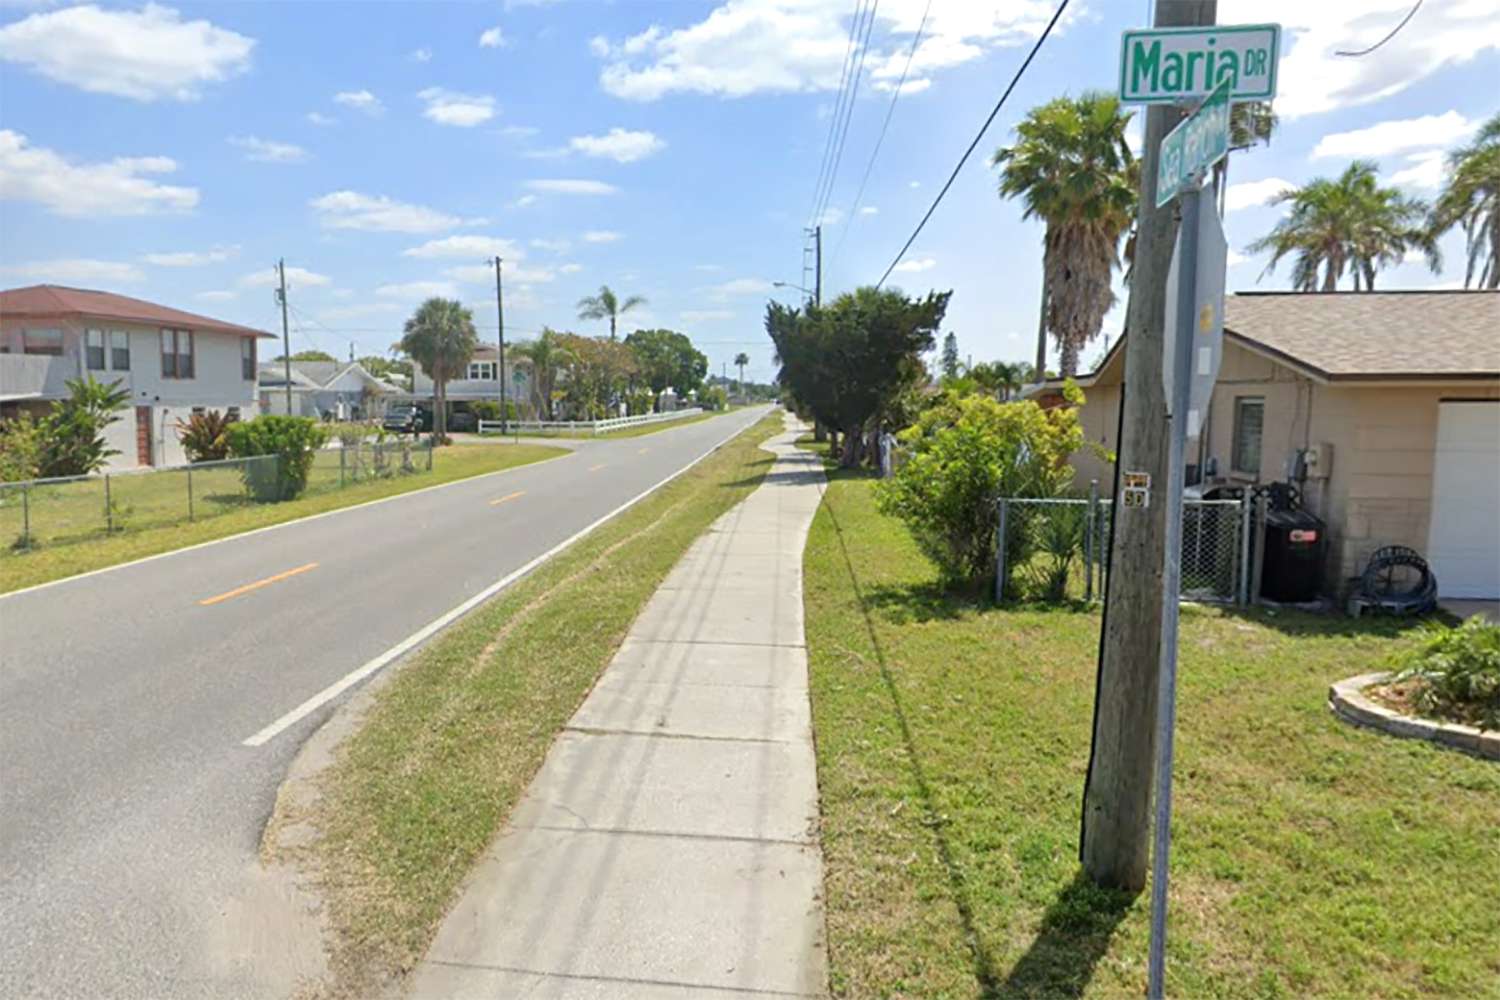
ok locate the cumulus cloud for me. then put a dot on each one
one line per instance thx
(148, 55)
(571, 186)
(1247, 194)
(447, 107)
(602, 236)
(465, 246)
(869, 210)
(1397, 136)
(482, 274)
(217, 295)
(192, 258)
(318, 118)
(618, 144)
(415, 290)
(360, 100)
(492, 38)
(122, 186)
(736, 287)
(570, 268)
(917, 265)
(267, 151)
(267, 278)
(1424, 170)
(377, 213)
(77, 270)
(421, 55)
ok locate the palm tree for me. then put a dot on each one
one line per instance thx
(605, 304)
(548, 356)
(1073, 169)
(1347, 223)
(440, 337)
(740, 361)
(1471, 198)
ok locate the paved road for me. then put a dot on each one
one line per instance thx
(130, 810)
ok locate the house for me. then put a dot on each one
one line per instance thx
(481, 381)
(334, 390)
(172, 362)
(1382, 407)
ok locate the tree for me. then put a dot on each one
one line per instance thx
(950, 356)
(1471, 198)
(599, 371)
(384, 368)
(1348, 223)
(740, 361)
(72, 434)
(1073, 170)
(548, 356)
(1001, 378)
(312, 356)
(667, 359)
(606, 305)
(440, 336)
(849, 362)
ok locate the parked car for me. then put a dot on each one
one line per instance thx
(407, 419)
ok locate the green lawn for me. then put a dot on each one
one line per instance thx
(151, 509)
(1310, 858)
(425, 782)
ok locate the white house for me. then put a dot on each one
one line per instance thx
(337, 390)
(481, 381)
(171, 362)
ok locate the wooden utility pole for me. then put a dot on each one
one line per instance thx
(500, 321)
(286, 337)
(1117, 796)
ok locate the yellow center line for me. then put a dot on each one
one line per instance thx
(508, 496)
(236, 592)
(596, 468)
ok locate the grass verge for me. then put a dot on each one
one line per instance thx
(424, 783)
(1310, 858)
(28, 568)
(639, 430)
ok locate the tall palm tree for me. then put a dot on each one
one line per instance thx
(440, 336)
(1349, 223)
(1073, 169)
(605, 304)
(1471, 198)
(548, 356)
(740, 361)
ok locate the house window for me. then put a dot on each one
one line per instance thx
(1249, 419)
(247, 358)
(119, 350)
(93, 350)
(233, 414)
(177, 354)
(482, 370)
(41, 342)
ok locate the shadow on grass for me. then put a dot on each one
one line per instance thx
(1296, 622)
(1075, 934)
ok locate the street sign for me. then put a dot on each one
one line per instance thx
(1181, 65)
(1198, 142)
(1208, 324)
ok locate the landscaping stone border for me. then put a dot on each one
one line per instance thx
(1348, 701)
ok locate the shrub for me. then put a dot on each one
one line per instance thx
(713, 398)
(1459, 670)
(203, 436)
(72, 434)
(20, 448)
(294, 439)
(964, 455)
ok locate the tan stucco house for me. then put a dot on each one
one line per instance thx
(1383, 406)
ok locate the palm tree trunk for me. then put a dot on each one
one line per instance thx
(1041, 332)
(1068, 363)
(1494, 275)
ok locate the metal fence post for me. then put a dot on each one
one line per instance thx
(1242, 598)
(1257, 552)
(1088, 541)
(1000, 552)
(190, 492)
(26, 516)
(109, 513)
(342, 449)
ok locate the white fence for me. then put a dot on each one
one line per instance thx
(587, 426)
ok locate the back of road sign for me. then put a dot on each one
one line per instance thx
(1208, 328)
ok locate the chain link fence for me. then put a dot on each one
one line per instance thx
(1058, 549)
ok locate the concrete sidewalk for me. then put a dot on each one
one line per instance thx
(668, 846)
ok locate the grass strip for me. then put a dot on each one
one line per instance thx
(1310, 858)
(424, 783)
(27, 568)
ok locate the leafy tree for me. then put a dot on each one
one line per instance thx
(20, 448)
(1470, 198)
(294, 440)
(606, 305)
(549, 356)
(740, 361)
(667, 359)
(1349, 223)
(440, 336)
(950, 356)
(384, 368)
(72, 434)
(1001, 379)
(1073, 169)
(847, 363)
(204, 436)
(599, 371)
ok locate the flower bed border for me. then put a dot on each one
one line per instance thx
(1348, 701)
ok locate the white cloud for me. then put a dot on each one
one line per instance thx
(1249, 193)
(909, 86)
(618, 144)
(1398, 136)
(492, 38)
(421, 55)
(552, 246)
(267, 151)
(192, 258)
(318, 118)
(1313, 78)
(1234, 258)
(601, 236)
(116, 187)
(599, 46)
(148, 55)
(739, 286)
(377, 213)
(913, 184)
(481, 274)
(523, 201)
(705, 315)
(418, 290)
(570, 268)
(77, 270)
(266, 277)
(217, 295)
(869, 210)
(447, 107)
(360, 100)
(465, 246)
(1426, 170)
(917, 265)
(567, 186)
(831, 216)
(519, 131)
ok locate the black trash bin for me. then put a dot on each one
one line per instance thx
(1293, 567)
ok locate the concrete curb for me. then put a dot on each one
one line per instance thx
(1348, 701)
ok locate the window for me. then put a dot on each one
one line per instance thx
(233, 414)
(93, 350)
(41, 342)
(177, 354)
(482, 370)
(247, 358)
(119, 350)
(1249, 418)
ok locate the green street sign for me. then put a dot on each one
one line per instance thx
(1182, 65)
(1198, 142)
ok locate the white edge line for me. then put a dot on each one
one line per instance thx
(279, 524)
(426, 632)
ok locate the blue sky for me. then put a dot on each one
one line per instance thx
(668, 149)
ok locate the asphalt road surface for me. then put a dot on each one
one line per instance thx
(131, 808)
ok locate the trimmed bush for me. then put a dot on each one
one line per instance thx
(1459, 671)
(295, 440)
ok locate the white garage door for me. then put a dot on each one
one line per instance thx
(1464, 542)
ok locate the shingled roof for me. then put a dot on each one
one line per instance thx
(61, 302)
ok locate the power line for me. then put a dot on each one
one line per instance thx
(833, 174)
(1394, 32)
(837, 104)
(980, 135)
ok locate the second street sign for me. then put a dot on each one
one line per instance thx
(1198, 142)
(1181, 65)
